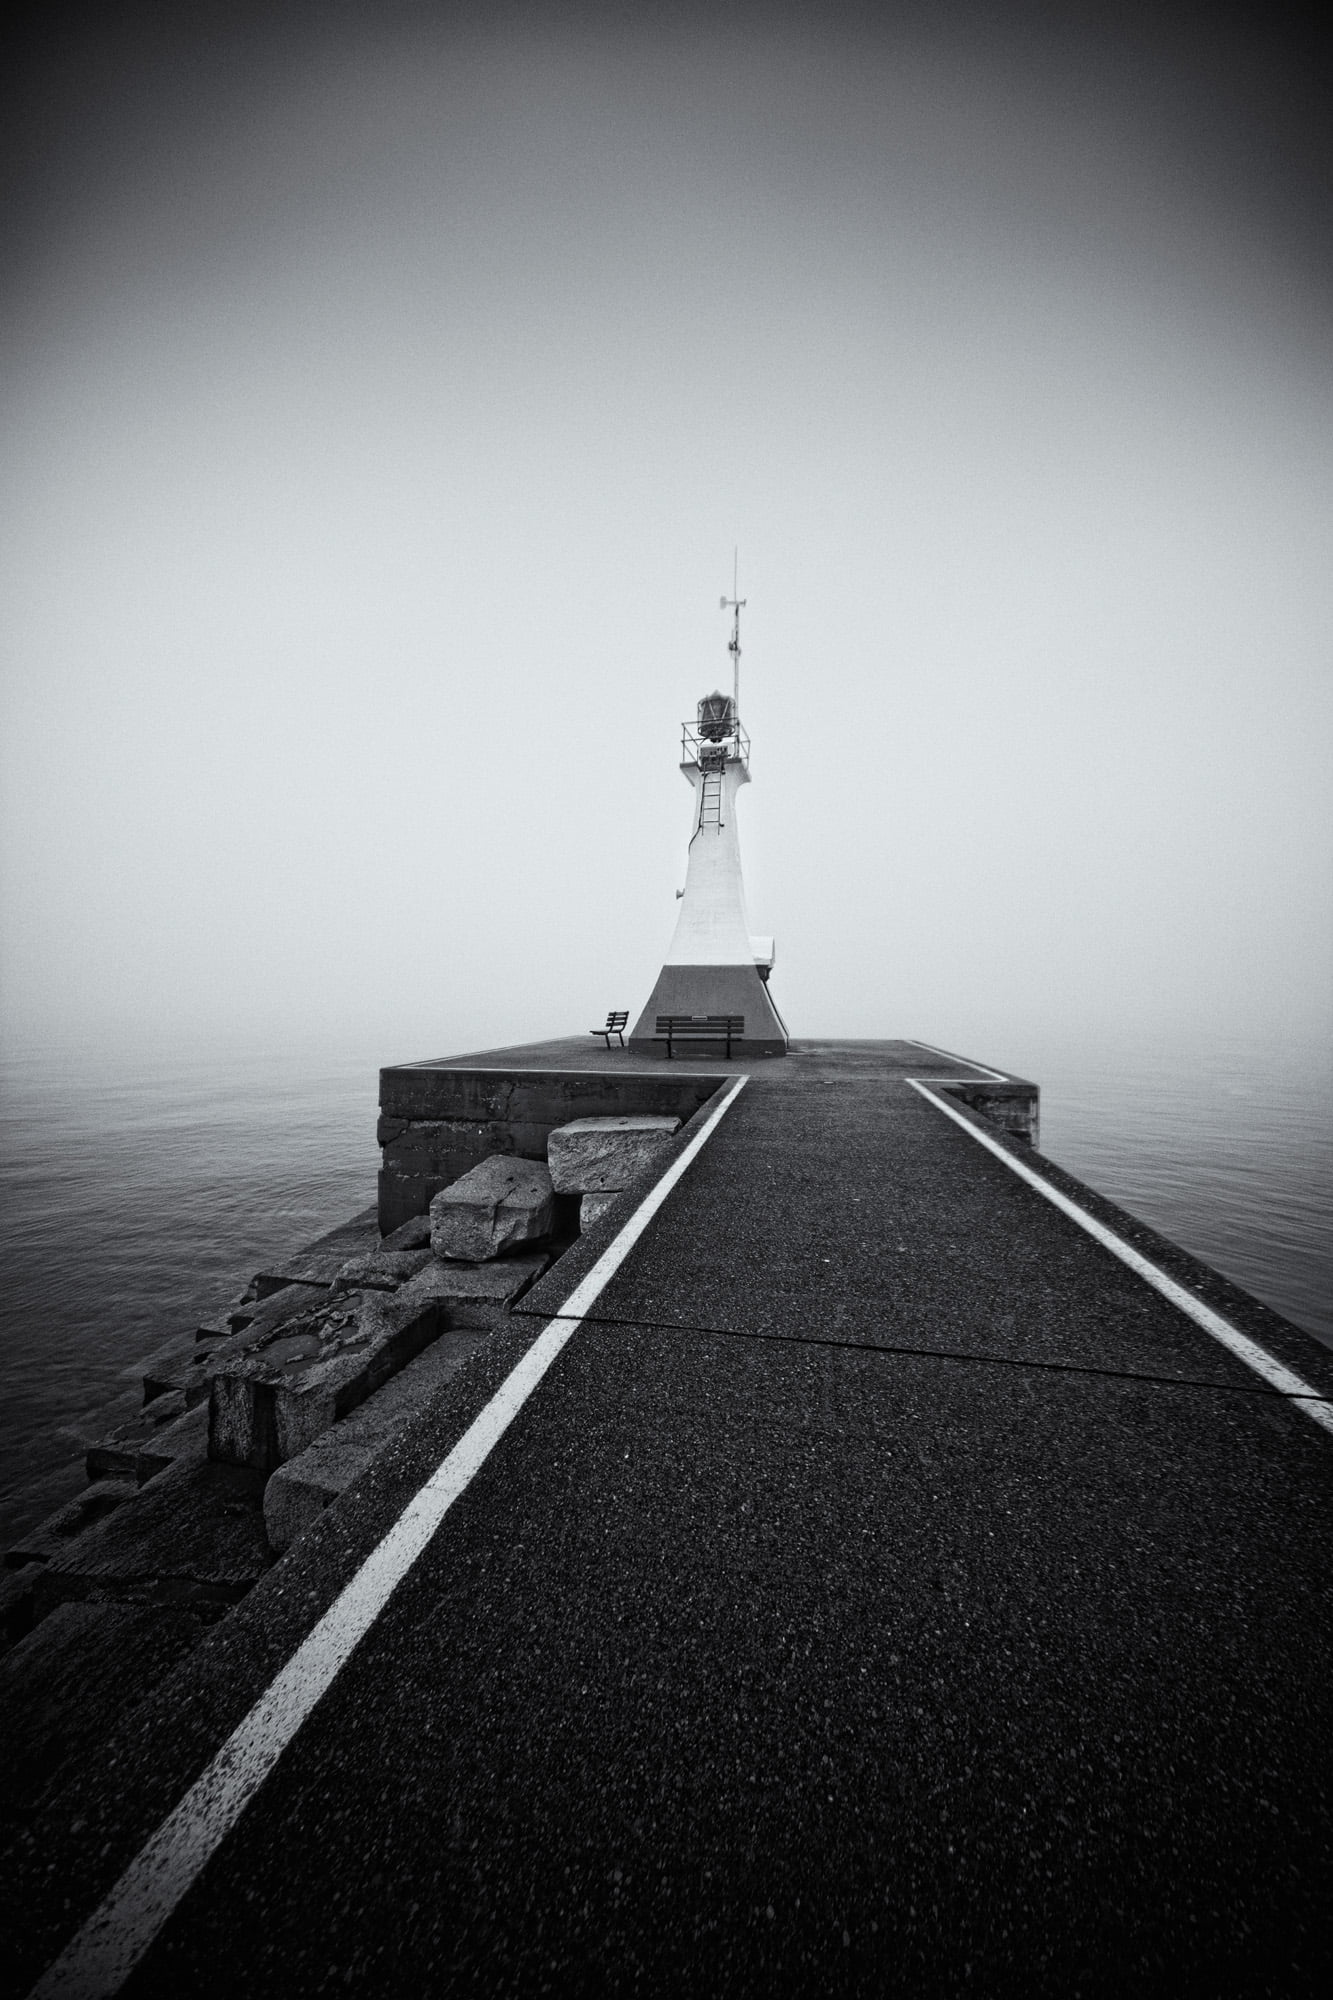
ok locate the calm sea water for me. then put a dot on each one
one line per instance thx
(139, 1192)
(1225, 1144)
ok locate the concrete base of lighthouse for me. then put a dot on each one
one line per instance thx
(714, 989)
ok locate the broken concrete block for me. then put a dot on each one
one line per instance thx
(53, 1535)
(116, 1455)
(216, 1325)
(100, 1423)
(594, 1155)
(380, 1270)
(300, 1490)
(185, 1437)
(272, 1395)
(181, 1366)
(478, 1296)
(143, 1444)
(168, 1367)
(194, 1532)
(262, 1286)
(317, 1263)
(248, 1323)
(501, 1205)
(592, 1207)
(292, 1295)
(177, 1365)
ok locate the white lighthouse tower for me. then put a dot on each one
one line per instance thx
(715, 964)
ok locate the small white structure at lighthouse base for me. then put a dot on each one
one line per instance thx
(715, 964)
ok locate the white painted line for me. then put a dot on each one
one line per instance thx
(996, 1075)
(1317, 1407)
(100, 1957)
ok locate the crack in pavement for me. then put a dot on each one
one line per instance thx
(964, 1355)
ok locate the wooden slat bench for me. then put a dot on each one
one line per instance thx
(615, 1025)
(699, 1028)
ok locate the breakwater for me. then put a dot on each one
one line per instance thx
(942, 1316)
(176, 1177)
(184, 1509)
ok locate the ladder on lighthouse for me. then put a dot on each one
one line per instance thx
(710, 801)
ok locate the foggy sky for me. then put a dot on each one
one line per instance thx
(385, 391)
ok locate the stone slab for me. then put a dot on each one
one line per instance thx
(141, 1444)
(217, 1324)
(380, 1270)
(53, 1536)
(478, 1296)
(119, 1409)
(239, 1313)
(178, 1378)
(259, 1315)
(406, 1198)
(594, 1206)
(502, 1205)
(600, 1155)
(116, 1454)
(272, 1396)
(317, 1263)
(194, 1532)
(178, 1365)
(186, 1437)
(300, 1490)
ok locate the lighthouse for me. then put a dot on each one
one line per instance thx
(715, 964)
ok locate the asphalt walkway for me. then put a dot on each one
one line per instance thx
(885, 1590)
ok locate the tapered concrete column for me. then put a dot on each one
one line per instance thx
(712, 966)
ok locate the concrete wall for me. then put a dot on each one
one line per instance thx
(436, 1122)
(1012, 1105)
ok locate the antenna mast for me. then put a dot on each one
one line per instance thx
(734, 604)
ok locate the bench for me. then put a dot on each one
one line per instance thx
(615, 1025)
(699, 1028)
